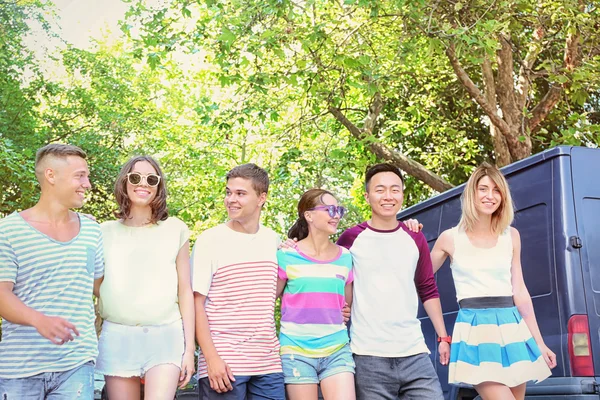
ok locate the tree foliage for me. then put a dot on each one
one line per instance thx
(314, 91)
(399, 74)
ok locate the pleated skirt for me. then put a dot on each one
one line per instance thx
(494, 345)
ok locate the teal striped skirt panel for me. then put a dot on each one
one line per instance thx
(494, 345)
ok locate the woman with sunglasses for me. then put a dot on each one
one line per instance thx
(315, 278)
(146, 299)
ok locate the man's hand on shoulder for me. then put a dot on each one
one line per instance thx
(288, 244)
(413, 225)
(90, 216)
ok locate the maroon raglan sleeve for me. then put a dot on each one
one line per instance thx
(347, 238)
(424, 279)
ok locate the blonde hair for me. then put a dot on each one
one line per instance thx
(503, 216)
(56, 150)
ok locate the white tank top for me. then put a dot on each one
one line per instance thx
(480, 272)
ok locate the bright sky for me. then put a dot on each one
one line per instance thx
(79, 21)
(82, 19)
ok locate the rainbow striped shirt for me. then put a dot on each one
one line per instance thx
(311, 307)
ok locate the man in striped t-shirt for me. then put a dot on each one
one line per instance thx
(51, 260)
(234, 281)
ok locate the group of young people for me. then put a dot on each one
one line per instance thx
(156, 307)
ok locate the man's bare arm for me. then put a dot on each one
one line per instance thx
(55, 329)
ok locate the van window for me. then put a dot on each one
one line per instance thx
(534, 225)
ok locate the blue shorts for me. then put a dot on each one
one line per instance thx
(76, 383)
(255, 387)
(300, 369)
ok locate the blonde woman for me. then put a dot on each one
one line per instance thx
(496, 344)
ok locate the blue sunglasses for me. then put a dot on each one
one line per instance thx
(331, 210)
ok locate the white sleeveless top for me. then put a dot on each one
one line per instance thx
(480, 272)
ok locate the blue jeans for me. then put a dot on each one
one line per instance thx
(77, 383)
(392, 378)
(257, 387)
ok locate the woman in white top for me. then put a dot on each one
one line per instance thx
(496, 344)
(146, 298)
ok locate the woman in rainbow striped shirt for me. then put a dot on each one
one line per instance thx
(315, 278)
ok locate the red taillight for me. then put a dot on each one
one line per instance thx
(580, 352)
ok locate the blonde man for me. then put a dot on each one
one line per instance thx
(51, 260)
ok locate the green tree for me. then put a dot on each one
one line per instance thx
(358, 61)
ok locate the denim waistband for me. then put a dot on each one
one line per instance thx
(487, 302)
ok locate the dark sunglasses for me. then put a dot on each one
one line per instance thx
(135, 178)
(331, 210)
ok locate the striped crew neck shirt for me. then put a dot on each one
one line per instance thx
(311, 306)
(237, 272)
(56, 279)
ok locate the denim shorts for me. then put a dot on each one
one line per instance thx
(76, 383)
(128, 351)
(300, 369)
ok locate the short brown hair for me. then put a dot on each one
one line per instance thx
(254, 173)
(160, 212)
(58, 150)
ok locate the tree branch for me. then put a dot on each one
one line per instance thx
(374, 111)
(475, 93)
(505, 86)
(551, 98)
(411, 167)
(535, 47)
(501, 150)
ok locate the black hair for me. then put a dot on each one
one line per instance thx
(378, 168)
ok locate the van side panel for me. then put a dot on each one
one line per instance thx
(586, 192)
(569, 282)
(435, 220)
(533, 190)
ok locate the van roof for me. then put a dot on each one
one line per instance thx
(507, 171)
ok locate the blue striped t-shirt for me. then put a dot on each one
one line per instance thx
(56, 279)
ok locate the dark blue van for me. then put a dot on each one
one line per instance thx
(557, 212)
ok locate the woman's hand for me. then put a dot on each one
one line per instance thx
(187, 368)
(548, 355)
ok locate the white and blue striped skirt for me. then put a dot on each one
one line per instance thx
(494, 345)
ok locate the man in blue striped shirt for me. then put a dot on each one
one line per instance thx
(51, 261)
